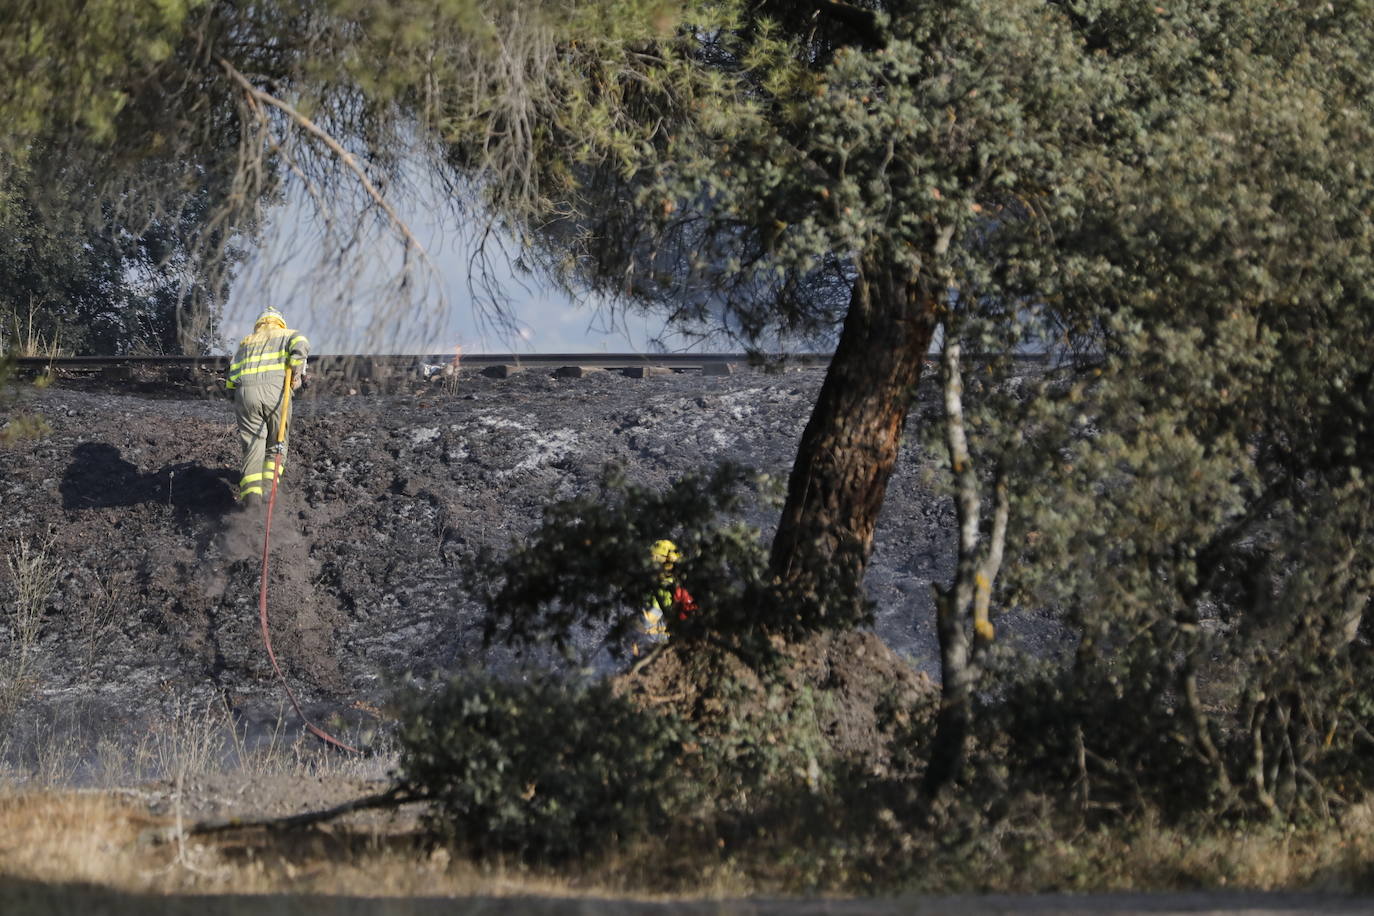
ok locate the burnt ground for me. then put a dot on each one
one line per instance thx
(152, 620)
(130, 489)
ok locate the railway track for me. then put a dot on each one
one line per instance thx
(414, 365)
(672, 361)
(361, 374)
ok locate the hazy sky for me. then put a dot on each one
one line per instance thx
(350, 305)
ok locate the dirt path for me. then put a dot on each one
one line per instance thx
(32, 900)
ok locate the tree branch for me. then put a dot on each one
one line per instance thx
(992, 563)
(966, 500)
(391, 798)
(349, 161)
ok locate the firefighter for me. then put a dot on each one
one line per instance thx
(669, 597)
(257, 376)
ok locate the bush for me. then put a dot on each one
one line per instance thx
(588, 563)
(1106, 744)
(543, 769)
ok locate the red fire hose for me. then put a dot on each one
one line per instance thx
(262, 588)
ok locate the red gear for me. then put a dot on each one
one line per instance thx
(682, 602)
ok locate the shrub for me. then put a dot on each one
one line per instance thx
(543, 769)
(1104, 743)
(32, 574)
(588, 563)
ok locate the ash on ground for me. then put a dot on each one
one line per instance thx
(155, 603)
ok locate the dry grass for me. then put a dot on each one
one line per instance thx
(116, 814)
(197, 762)
(25, 339)
(99, 614)
(101, 839)
(32, 573)
(193, 739)
(1145, 855)
(72, 837)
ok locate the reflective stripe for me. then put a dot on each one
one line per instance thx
(275, 367)
(264, 476)
(279, 354)
(653, 622)
(250, 491)
(261, 351)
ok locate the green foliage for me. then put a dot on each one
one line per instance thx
(1191, 493)
(766, 736)
(1178, 196)
(23, 425)
(20, 423)
(76, 277)
(542, 769)
(588, 563)
(76, 64)
(801, 151)
(552, 771)
(160, 160)
(1104, 737)
(119, 152)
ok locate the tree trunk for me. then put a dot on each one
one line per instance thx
(949, 748)
(849, 448)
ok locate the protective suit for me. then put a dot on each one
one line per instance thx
(257, 376)
(669, 597)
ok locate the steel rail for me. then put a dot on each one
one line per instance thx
(597, 360)
(675, 361)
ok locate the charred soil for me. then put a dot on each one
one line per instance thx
(129, 493)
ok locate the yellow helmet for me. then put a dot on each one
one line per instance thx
(270, 315)
(665, 553)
